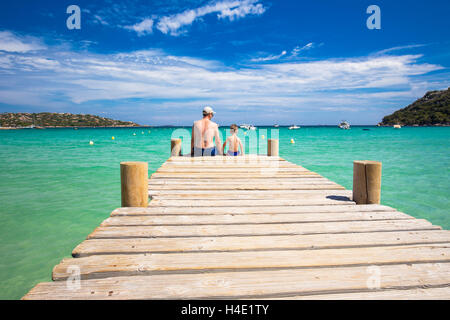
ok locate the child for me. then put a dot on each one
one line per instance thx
(235, 142)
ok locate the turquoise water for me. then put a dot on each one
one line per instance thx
(55, 188)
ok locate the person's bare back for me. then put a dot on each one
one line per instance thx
(203, 133)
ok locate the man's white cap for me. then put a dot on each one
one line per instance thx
(208, 110)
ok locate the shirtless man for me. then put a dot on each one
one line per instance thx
(203, 133)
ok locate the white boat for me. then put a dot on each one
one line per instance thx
(294, 127)
(247, 126)
(344, 125)
(276, 125)
(397, 126)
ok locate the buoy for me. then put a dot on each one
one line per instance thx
(245, 133)
(91, 143)
(134, 134)
(112, 138)
(149, 131)
(142, 132)
(262, 136)
(292, 141)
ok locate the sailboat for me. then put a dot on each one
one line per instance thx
(294, 127)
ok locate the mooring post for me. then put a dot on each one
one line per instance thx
(366, 182)
(175, 147)
(134, 184)
(272, 147)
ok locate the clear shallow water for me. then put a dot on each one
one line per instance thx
(55, 188)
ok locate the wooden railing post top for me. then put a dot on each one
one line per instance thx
(367, 162)
(133, 163)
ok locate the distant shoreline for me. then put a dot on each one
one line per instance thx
(188, 126)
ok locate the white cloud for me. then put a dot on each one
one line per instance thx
(411, 46)
(13, 43)
(246, 8)
(100, 20)
(269, 58)
(53, 77)
(142, 28)
(232, 10)
(295, 52)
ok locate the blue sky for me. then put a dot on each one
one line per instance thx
(254, 61)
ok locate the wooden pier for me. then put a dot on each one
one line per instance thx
(253, 227)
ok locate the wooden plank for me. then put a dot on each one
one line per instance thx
(337, 208)
(250, 219)
(213, 169)
(145, 264)
(221, 186)
(247, 202)
(242, 181)
(260, 229)
(246, 157)
(235, 285)
(442, 293)
(221, 175)
(249, 194)
(211, 244)
(227, 165)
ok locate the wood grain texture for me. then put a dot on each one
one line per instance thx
(336, 208)
(236, 203)
(441, 293)
(250, 219)
(260, 229)
(244, 285)
(299, 242)
(194, 262)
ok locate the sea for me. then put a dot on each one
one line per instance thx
(56, 186)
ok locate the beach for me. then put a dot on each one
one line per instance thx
(56, 187)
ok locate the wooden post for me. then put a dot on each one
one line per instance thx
(134, 184)
(366, 182)
(272, 147)
(175, 147)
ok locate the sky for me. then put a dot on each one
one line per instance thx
(254, 61)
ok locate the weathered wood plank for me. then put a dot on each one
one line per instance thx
(213, 169)
(226, 166)
(338, 200)
(221, 186)
(235, 285)
(242, 181)
(442, 293)
(104, 266)
(240, 194)
(246, 157)
(337, 208)
(220, 175)
(249, 219)
(311, 241)
(260, 229)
